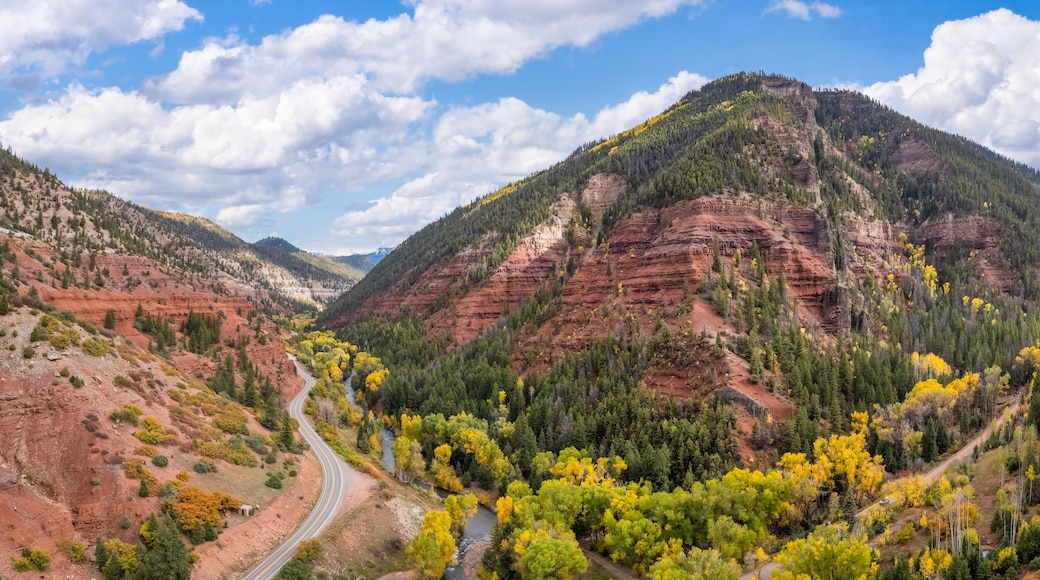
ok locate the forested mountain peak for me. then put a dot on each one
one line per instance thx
(722, 299)
(756, 137)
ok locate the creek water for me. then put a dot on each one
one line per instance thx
(478, 526)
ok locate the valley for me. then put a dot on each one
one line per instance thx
(766, 324)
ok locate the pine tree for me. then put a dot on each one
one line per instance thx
(100, 553)
(169, 558)
(110, 319)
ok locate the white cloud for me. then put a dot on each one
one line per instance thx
(243, 131)
(243, 158)
(475, 149)
(803, 10)
(981, 79)
(446, 39)
(49, 36)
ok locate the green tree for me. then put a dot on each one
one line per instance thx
(110, 319)
(168, 558)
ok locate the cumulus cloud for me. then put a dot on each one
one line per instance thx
(445, 39)
(49, 36)
(476, 149)
(980, 79)
(244, 131)
(242, 157)
(804, 10)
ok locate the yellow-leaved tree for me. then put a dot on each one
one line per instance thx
(434, 548)
(829, 552)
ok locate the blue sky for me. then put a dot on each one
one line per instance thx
(345, 126)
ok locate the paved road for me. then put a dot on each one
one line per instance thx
(338, 480)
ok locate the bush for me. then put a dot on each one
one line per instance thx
(257, 444)
(203, 466)
(153, 432)
(274, 480)
(292, 473)
(232, 451)
(95, 481)
(64, 372)
(126, 523)
(906, 534)
(160, 461)
(32, 560)
(146, 451)
(76, 381)
(63, 339)
(74, 550)
(127, 414)
(271, 458)
(232, 423)
(28, 352)
(95, 347)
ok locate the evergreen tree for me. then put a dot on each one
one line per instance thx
(110, 319)
(169, 558)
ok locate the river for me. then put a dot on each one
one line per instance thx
(478, 526)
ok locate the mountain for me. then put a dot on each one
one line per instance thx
(140, 365)
(812, 173)
(325, 278)
(763, 276)
(711, 240)
(364, 262)
(99, 222)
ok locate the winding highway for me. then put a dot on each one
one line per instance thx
(338, 480)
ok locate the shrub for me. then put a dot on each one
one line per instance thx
(204, 466)
(153, 432)
(232, 451)
(127, 414)
(95, 481)
(64, 372)
(160, 461)
(64, 338)
(121, 381)
(232, 423)
(257, 444)
(32, 560)
(136, 469)
(146, 451)
(74, 550)
(274, 480)
(906, 534)
(28, 352)
(126, 523)
(95, 347)
(292, 473)
(76, 381)
(271, 458)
